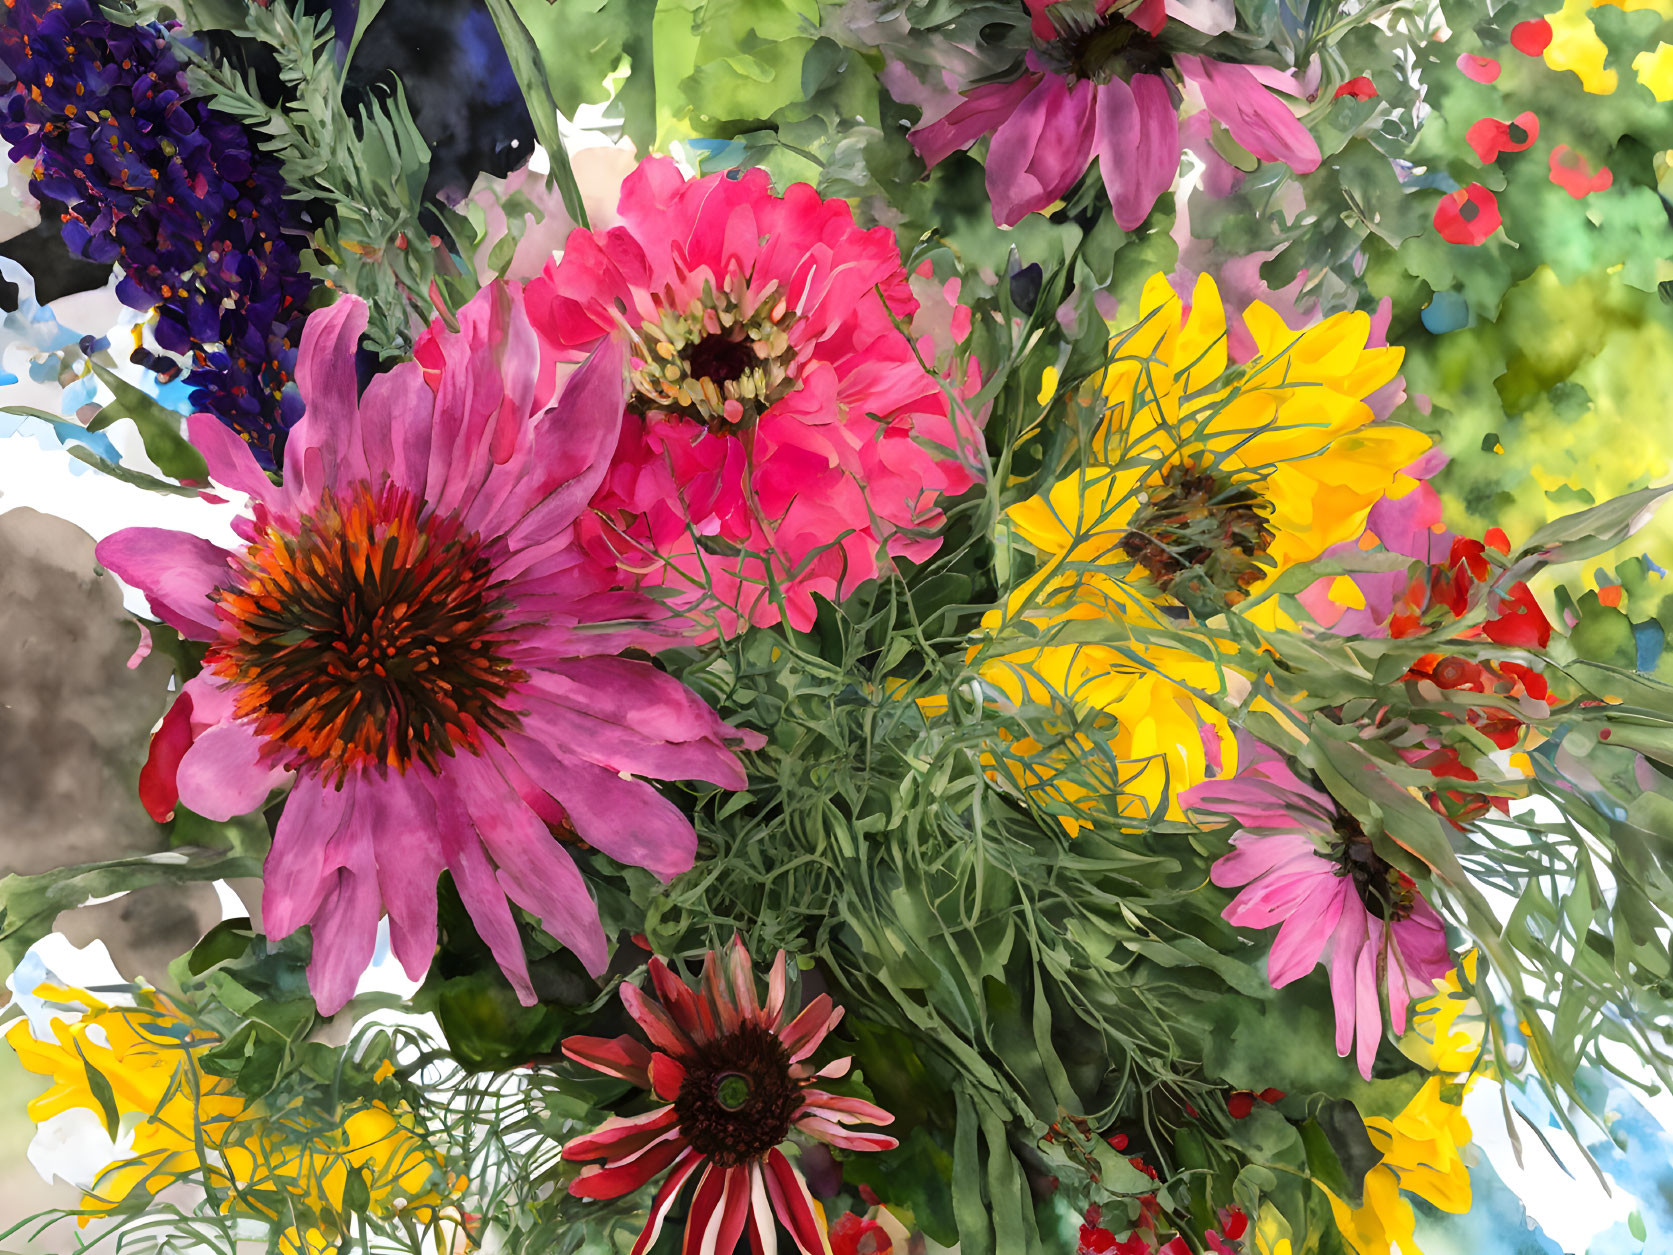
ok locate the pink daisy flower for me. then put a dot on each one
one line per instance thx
(1309, 867)
(1102, 84)
(781, 430)
(734, 1079)
(413, 639)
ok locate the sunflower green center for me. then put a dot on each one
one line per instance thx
(1387, 892)
(1201, 536)
(721, 361)
(739, 1098)
(371, 638)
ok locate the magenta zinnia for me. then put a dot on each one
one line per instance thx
(1309, 866)
(734, 1080)
(782, 432)
(413, 637)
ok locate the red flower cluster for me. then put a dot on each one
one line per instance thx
(1454, 586)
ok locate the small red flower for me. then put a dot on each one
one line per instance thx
(856, 1235)
(1532, 37)
(1573, 173)
(1361, 88)
(1467, 216)
(1518, 620)
(1490, 137)
(1481, 69)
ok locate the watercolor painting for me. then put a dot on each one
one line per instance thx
(851, 627)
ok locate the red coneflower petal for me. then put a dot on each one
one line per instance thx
(809, 1028)
(620, 1138)
(621, 1057)
(763, 1233)
(612, 1181)
(836, 1135)
(677, 998)
(667, 1075)
(717, 992)
(666, 1196)
(793, 1204)
(653, 1017)
(705, 1207)
(742, 972)
(724, 1229)
(776, 986)
(844, 1110)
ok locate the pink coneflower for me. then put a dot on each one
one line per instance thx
(734, 1079)
(1102, 84)
(782, 431)
(413, 638)
(1310, 867)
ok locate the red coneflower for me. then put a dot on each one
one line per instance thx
(734, 1080)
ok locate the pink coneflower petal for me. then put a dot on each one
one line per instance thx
(848, 1139)
(776, 985)
(408, 880)
(843, 1109)
(1302, 939)
(294, 877)
(614, 1056)
(1040, 149)
(763, 1233)
(229, 459)
(323, 451)
(976, 115)
(224, 773)
(677, 998)
(177, 573)
(1137, 144)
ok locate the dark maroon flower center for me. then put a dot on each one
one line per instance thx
(738, 1098)
(1093, 49)
(1201, 537)
(1386, 892)
(372, 637)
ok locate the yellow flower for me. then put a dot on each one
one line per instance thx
(1207, 486)
(1575, 45)
(1199, 486)
(1443, 1044)
(288, 1164)
(1422, 1155)
(1161, 735)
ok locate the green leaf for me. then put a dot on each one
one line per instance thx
(159, 427)
(1350, 1145)
(30, 905)
(102, 1093)
(530, 72)
(227, 940)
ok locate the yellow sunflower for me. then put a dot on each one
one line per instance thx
(143, 1061)
(1205, 485)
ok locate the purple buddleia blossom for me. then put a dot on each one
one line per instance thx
(175, 193)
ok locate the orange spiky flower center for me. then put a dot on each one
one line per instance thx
(371, 638)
